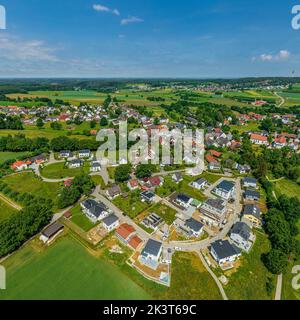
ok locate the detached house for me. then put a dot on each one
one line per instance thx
(133, 184)
(200, 184)
(251, 195)
(224, 252)
(66, 154)
(213, 211)
(177, 177)
(111, 222)
(113, 192)
(148, 196)
(94, 210)
(249, 183)
(259, 139)
(95, 166)
(225, 189)
(75, 163)
(184, 200)
(195, 227)
(84, 153)
(242, 236)
(252, 215)
(151, 253)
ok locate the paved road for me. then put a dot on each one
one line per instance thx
(278, 288)
(221, 289)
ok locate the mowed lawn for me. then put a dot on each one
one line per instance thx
(6, 210)
(30, 183)
(80, 219)
(65, 270)
(60, 171)
(249, 281)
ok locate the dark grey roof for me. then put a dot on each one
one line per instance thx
(94, 207)
(200, 181)
(84, 151)
(252, 194)
(242, 229)
(111, 219)
(52, 229)
(114, 190)
(194, 224)
(225, 249)
(249, 180)
(75, 161)
(65, 152)
(215, 203)
(96, 164)
(252, 209)
(184, 198)
(178, 175)
(152, 247)
(226, 185)
(148, 194)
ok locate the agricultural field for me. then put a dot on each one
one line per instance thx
(60, 170)
(30, 183)
(4, 156)
(65, 270)
(6, 210)
(249, 281)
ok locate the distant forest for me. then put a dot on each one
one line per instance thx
(110, 85)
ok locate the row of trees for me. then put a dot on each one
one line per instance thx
(20, 143)
(17, 229)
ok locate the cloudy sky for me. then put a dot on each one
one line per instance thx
(149, 38)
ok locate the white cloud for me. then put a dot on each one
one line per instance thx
(13, 48)
(281, 55)
(131, 20)
(101, 8)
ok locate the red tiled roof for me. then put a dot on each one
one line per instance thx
(125, 230)
(280, 140)
(155, 181)
(215, 153)
(258, 137)
(134, 242)
(210, 159)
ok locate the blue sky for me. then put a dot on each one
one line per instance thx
(149, 38)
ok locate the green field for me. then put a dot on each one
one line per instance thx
(287, 187)
(80, 219)
(65, 271)
(4, 156)
(165, 212)
(6, 210)
(132, 205)
(60, 170)
(249, 282)
(30, 183)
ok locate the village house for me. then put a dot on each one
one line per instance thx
(242, 236)
(279, 142)
(95, 166)
(224, 252)
(133, 184)
(95, 211)
(195, 227)
(49, 233)
(125, 232)
(251, 195)
(111, 222)
(225, 189)
(200, 184)
(213, 211)
(183, 200)
(65, 154)
(249, 183)
(21, 165)
(259, 139)
(177, 177)
(76, 163)
(113, 192)
(147, 196)
(151, 253)
(84, 153)
(252, 215)
(152, 221)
